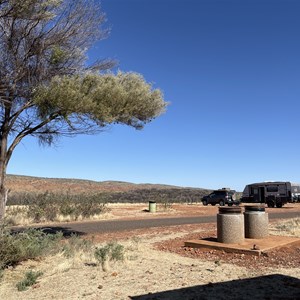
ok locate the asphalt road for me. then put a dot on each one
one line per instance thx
(127, 225)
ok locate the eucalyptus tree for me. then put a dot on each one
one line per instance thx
(47, 90)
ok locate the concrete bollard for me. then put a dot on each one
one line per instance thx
(152, 206)
(230, 225)
(256, 222)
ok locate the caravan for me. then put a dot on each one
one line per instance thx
(275, 193)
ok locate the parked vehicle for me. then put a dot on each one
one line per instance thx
(221, 197)
(275, 193)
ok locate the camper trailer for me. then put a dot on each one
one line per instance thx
(275, 193)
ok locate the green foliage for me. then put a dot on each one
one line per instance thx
(29, 280)
(43, 207)
(124, 98)
(68, 203)
(91, 205)
(58, 55)
(28, 244)
(110, 252)
(165, 197)
(47, 206)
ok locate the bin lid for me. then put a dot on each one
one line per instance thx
(255, 208)
(230, 210)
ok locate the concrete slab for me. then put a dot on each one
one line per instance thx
(248, 246)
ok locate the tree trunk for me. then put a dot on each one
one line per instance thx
(3, 164)
(3, 191)
(3, 200)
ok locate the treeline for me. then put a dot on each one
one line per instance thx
(172, 195)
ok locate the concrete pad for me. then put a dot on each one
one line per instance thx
(248, 246)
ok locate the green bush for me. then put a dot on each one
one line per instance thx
(47, 206)
(29, 280)
(92, 205)
(28, 244)
(43, 207)
(172, 195)
(68, 207)
(110, 252)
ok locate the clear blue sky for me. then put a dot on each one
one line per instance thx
(231, 70)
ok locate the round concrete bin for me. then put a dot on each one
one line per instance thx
(152, 206)
(256, 222)
(230, 225)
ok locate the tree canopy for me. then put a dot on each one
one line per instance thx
(46, 87)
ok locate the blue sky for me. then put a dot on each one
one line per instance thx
(231, 72)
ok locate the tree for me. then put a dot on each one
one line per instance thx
(46, 88)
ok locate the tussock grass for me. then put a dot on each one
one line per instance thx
(289, 227)
(29, 280)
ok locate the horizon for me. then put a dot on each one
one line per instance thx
(231, 71)
(141, 183)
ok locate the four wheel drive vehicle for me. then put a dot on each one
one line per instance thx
(275, 193)
(221, 197)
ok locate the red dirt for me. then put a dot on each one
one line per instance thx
(286, 256)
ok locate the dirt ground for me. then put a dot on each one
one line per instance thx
(158, 266)
(129, 211)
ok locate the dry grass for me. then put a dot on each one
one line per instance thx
(144, 270)
(18, 215)
(289, 227)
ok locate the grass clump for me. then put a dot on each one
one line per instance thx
(110, 252)
(29, 280)
(75, 244)
(28, 244)
(289, 227)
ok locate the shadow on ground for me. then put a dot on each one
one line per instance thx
(66, 231)
(264, 287)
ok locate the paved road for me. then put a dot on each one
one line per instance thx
(127, 225)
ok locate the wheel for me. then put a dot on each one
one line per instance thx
(279, 205)
(229, 204)
(213, 204)
(271, 204)
(221, 203)
(204, 202)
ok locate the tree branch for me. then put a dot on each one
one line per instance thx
(27, 131)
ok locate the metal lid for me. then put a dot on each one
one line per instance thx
(255, 208)
(230, 210)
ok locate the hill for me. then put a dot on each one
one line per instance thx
(19, 183)
(116, 191)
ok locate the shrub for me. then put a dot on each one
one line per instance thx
(92, 205)
(68, 207)
(110, 252)
(43, 207)
(29, 244)
(51, 206)
(29, 280)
